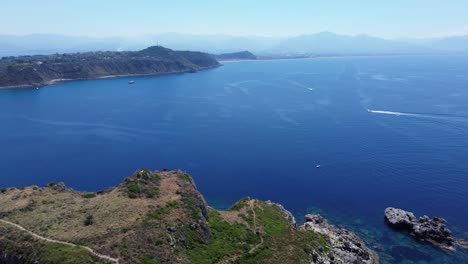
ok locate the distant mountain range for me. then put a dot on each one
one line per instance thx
(311, 44)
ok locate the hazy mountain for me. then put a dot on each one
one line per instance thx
(330, 43)
(457, 44)
(215, 43)
(48, 43)
(319, 43)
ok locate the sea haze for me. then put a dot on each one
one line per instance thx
(387, 131)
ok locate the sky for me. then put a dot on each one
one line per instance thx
(387, 19)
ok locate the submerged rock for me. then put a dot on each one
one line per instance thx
(433, 230)
(346, 247)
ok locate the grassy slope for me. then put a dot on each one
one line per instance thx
(266, 236)
(18, 243)
(152, 217)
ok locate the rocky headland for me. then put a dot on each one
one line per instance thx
(346, 246)
(39, 70)
(160, 217)
(242, 55)
(433, 230)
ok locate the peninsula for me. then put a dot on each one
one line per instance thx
(160, 217)
(39, 70)
(242, 55)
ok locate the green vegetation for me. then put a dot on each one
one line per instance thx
(148, 260)
(61, 254)
(269, 238)
(133, 190)
(88, 195)
(159, 213)
(240, 204)
(226, 240)
(192, 203)
(257, 256)
(30, 250)
(186, 177)
(143, 184)
(3, 190)
(272, 220)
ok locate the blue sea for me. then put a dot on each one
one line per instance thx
(387, 131)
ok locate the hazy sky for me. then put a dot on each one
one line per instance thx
(389, 19)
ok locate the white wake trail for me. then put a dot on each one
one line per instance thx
(431, 116)
(394, 113)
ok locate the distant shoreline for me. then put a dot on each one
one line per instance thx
(325, 56)
(58, 81)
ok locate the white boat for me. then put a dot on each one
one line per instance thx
(131, 82)
(318, 166)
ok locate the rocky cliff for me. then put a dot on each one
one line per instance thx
(160, 217)
(46, 69)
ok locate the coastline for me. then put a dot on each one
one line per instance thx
(149, 209)
(324, 56)
(57, 81)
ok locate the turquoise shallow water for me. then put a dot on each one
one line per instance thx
(387, 131)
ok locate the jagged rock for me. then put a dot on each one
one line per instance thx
(346, 247)
(400, 218)
(433, 230)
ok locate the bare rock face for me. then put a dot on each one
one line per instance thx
(400, 218)
(347, 248)
(433, 230)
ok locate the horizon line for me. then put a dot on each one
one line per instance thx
(232, 35)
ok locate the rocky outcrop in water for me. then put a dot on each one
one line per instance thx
(346, 247)
(433, 230)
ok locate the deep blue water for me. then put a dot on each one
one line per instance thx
(259, 129)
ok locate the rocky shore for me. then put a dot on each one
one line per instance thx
(346, 247)
(433, 230)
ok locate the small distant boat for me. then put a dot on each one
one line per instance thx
(131, 82)
(318, 166)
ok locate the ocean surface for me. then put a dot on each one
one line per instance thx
(387, 131)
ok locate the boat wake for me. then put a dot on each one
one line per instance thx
(421, 115)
